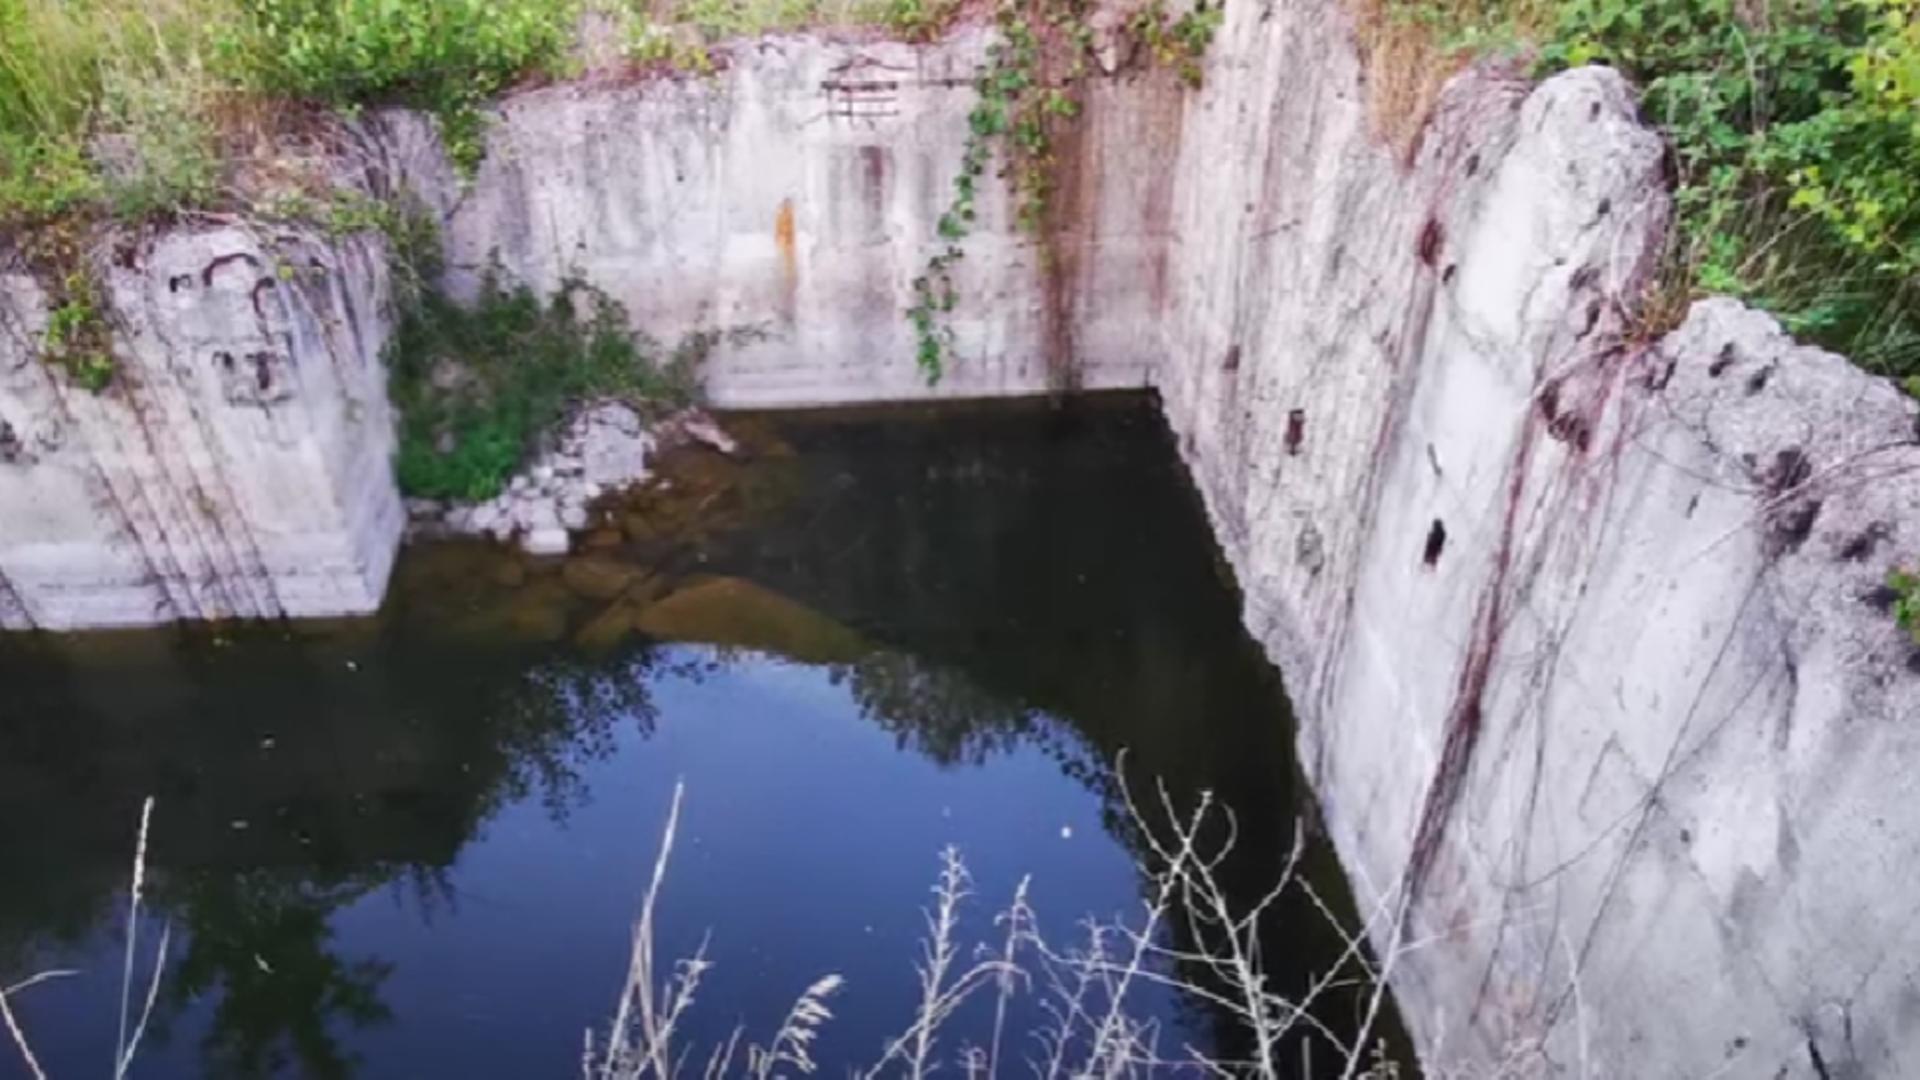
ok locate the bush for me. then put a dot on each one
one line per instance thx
(1798, 143)
(446, 56)
(43, 177)
(105, 105)
(477, 388)
(1795, 125)
(1906, 601)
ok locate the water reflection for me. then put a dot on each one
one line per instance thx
(273, 1016)
(980, 583)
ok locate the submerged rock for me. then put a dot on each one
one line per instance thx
(598, 577)
(621, 618)
(735, 613)
(606, 630)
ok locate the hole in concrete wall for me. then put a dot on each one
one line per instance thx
(178, 282)
(1757, 381)
(1722, 362)
(1296, 431)
(1790, 528)
(1436, 544)
(1881, 598)
(225, 360)
(1432, 236)
(261, 287)
(9, 443)
(1549, 401)
(213, 267)
(1232, 362)
(1606, 207)
(1788, 470)
(1473, 165)
(1860, 548)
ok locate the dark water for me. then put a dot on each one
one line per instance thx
(414, 846)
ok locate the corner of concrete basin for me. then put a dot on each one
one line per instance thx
(238, 465)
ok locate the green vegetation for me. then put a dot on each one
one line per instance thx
(1906, 601)
(678, 35)
(477, 386)
(1796, 133)
(1032, 84)
(120, 106)
(104, 105)
(445, 57)
(136, 109)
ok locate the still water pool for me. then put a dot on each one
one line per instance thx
(415, 846)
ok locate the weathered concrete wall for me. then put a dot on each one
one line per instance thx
(794, 197)
(238, 467)
(1583, 629)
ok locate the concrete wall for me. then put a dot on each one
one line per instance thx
(1586, 633)
(239, 465)
(795, 196)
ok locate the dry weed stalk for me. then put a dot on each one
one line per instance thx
(1088, 992)
(1410, 48)
(127, 1043)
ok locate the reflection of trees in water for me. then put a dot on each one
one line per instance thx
(261, 941)
(950, 715)
(937, 711)
(567, 712)
(374, 777)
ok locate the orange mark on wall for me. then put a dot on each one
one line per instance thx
(783, 235)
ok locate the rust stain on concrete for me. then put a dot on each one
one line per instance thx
(783, 237)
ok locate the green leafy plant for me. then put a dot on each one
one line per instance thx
(476, 387)
(1796, 137)
(1031, 85)
(1179, 43)
(104, 106)
(1002, 117)
(446, 57)
(1794, 128)
(1906, 603)
(917, 20)
(77, 338)
(43, 177)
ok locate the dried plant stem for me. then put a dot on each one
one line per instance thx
(19, 1037)
(128, 1043)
